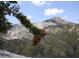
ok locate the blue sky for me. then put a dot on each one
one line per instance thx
(38, 11)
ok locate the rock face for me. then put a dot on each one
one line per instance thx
(6, 54)
(19, 32)
(60, 41)
(58, 20)
(52, 24)
(55, 21)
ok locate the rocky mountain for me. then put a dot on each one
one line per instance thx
(57, 20)
(62, 39)
(53, 24)
(18, 32)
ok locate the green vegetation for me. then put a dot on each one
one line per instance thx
(59, 44)
(4, 24)
(35, 30)
(63, 43)
(7, 9)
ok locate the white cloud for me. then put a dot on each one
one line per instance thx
(38, 3)
(53, 11)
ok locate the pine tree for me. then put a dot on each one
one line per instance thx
(7, 9)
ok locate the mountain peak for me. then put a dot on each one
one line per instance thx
(57, 20)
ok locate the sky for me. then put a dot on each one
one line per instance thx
(38, 11)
